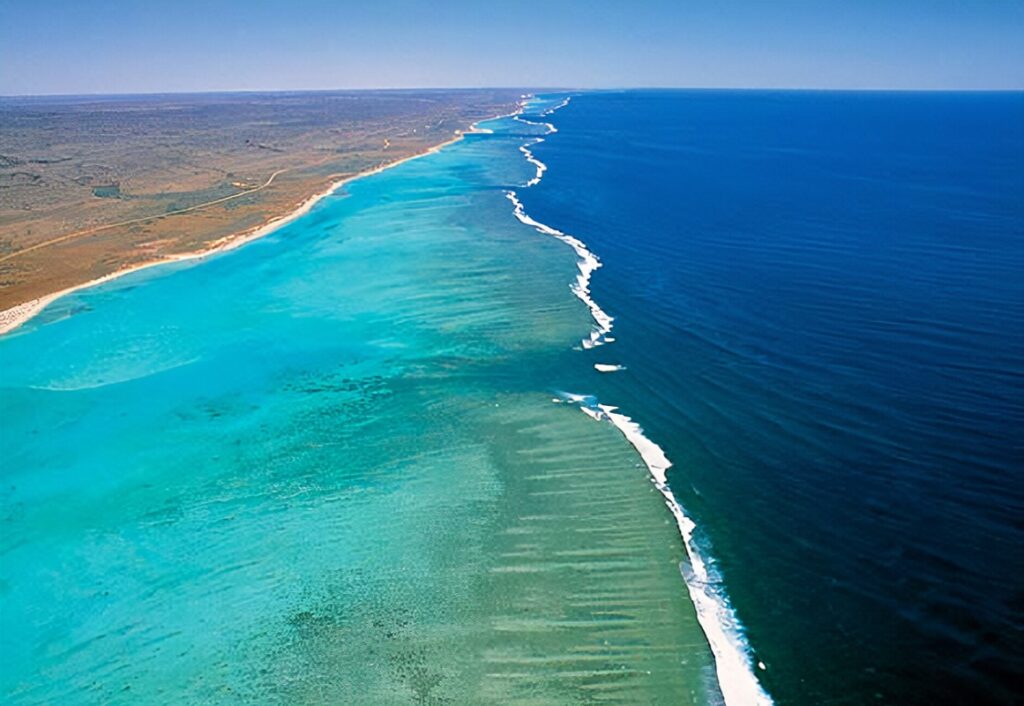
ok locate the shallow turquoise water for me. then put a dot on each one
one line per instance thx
(326, 468)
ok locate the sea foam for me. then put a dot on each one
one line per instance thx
(586, 261)
(551, 129)
(561, 105)
(716, 616)
(541, 167)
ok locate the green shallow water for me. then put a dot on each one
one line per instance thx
(326, 468)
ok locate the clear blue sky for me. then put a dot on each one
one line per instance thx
(108, 46)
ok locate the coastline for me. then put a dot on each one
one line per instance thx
(568, 559)
(681, 668)
(17, 315)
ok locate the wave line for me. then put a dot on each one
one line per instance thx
(717, 617)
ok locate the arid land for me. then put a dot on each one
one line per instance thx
(93, 185)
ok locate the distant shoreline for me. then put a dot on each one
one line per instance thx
(16, 316)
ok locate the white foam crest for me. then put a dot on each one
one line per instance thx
(586, 262)
(551, 129)
(716, 616)
(541, 167)
(561, 105)
(574, 398)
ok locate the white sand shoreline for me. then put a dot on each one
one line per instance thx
(12, 318)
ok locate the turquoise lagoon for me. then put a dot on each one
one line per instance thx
(336, 466)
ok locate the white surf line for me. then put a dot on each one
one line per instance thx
(587, 262)
(541, 167)
(717, 618)
(551, 129)
(561, 105)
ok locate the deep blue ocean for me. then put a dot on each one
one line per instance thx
(819, 298)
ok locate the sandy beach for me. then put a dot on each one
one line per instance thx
(15, 316)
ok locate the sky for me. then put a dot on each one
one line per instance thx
(147, 46)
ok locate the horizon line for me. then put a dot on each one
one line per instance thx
(250, 91)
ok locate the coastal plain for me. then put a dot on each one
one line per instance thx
(94, 185)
